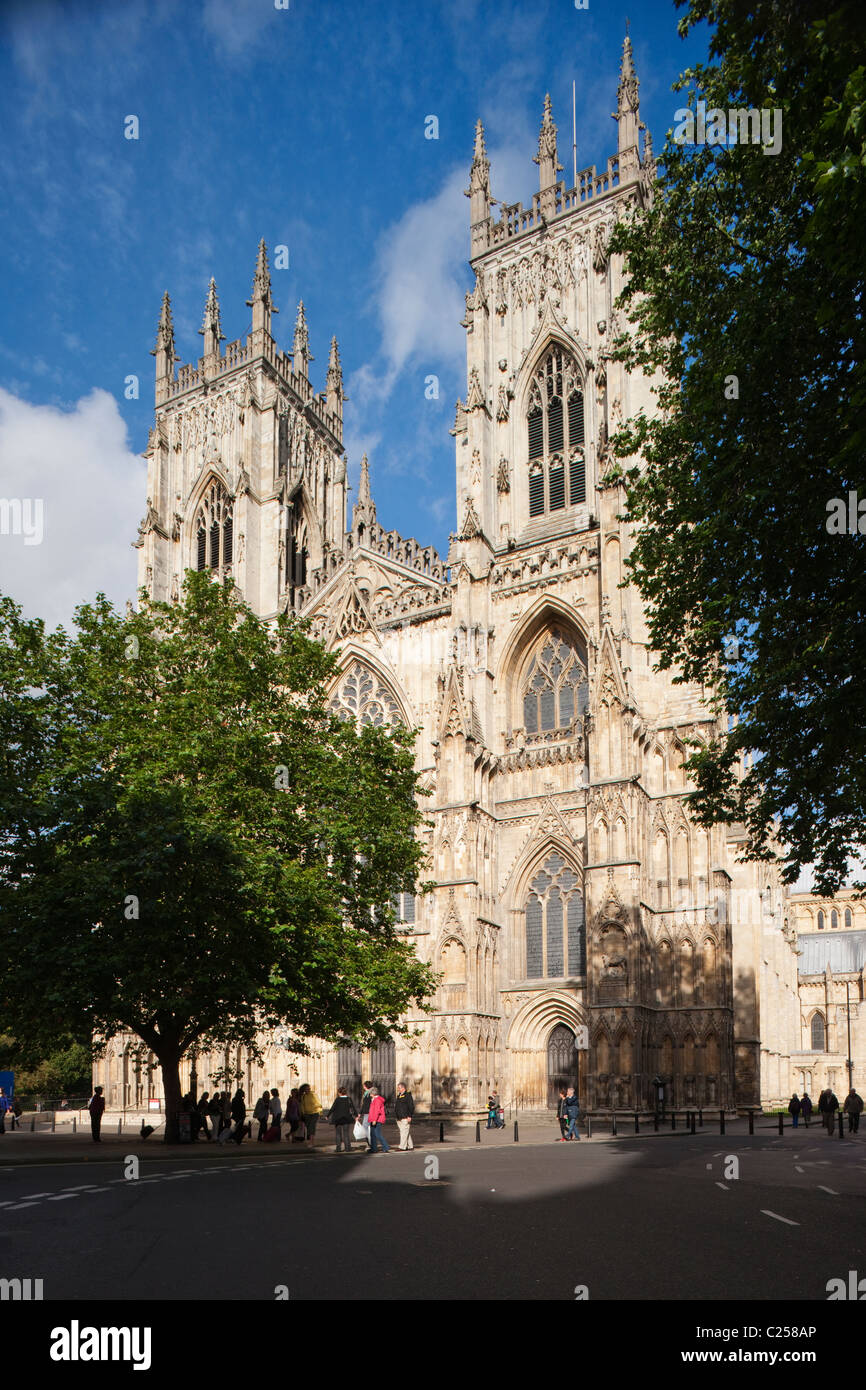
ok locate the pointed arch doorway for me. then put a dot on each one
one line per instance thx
(561, 1062)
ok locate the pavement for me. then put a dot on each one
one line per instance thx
(668, 1216)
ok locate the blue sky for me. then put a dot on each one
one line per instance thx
(305, 126)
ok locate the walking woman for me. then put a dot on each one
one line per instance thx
(310, 1108)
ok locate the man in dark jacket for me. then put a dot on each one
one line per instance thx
(561, 1115)
(572, 1110)
(342, 1116)
(806, 1108)
(364, 1116)
(831, 1105)
(97, 1110)
(404, 1109)
(794, 1108)
(852, 1108)
(239, 1116)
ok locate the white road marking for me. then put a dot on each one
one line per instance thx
(21, 1206)
(722, 1186)
(822, 1188)
(85, 1187)
(63, 1197)
(776, 1217)
(33, 1196)
(799, 1169)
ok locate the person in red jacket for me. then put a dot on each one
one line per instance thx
(377, 1119)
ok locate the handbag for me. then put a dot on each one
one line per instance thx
(359, 1132)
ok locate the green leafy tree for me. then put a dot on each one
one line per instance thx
(208, 850)
(746, 291)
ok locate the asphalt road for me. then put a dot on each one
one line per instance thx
(628, 1219)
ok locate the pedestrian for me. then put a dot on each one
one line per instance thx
(293, 1116)
(377, 1119)
(310, 1108)
(404, 1109)
(215, 1113)
(261, 1111)
(342, 1116)
(794, 1108)
(831, 1105)
(204, 1111)
(852, 1108)
(4, 1110)
(275, 1110)
(572, 1110)
(15, 1113)
(494, 1111)
(561, 1115)
(239, 1116)
(364, 1116)
(806, 1108)
(97, 1110)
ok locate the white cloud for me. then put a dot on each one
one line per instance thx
(91, 486)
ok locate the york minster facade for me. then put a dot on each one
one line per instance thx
(585, 930)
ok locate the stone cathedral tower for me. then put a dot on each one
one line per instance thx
(584, 929)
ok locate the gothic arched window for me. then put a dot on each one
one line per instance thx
(555, 931)
(817, 1033)
(834, 918)
(848, 917)
(820, 921)
(554, 689)
(362, 696)
(214, 530)
(555, 429)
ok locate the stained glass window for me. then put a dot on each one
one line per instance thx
(554, 923)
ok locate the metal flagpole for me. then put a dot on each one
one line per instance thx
(574, 127)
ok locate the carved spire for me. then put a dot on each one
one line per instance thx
(547, 161)
(260, 300)
(164, 350)
(478, 193)
(627, 115)
(210, 329)
(301, 346)
(334, 383)
(364, 510)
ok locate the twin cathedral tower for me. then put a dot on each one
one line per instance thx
(585, 930)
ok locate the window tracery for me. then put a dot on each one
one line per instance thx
(214, 530)
(362, 696)
(554, 690)
(555, 931)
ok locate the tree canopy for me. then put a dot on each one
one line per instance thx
(196, 847)
(745, 290)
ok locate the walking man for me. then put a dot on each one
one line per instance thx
(794, 1109)
(572, 1110)
(852, 1108)
(831, 1105)
(342, 1115)
(97, 1110)
(404, 1109)
(365, 1109)
(239, 1115)
(806, 1108)
(561, 1115)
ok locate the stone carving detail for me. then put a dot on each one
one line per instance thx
(475, 399)
(502, 405)
(503, 481)
(471, 525)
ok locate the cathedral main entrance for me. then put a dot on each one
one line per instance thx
(561, 1062)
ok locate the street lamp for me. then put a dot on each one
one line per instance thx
(850, 1059)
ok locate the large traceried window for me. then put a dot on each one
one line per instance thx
(554, 923)
(555, 428)
(213, 530)
(817, 1033)
(554, 690)
(363, 697)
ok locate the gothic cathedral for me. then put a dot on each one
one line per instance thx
(585, 930)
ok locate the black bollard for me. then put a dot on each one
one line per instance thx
(751, 1121)
(441, 1131)
(701, 1118)
(478, 1131)
(673, 1119)
(656, 1122)
(781, 1124)
(516, 1135)
(693, 1122)
(841, 1126)
(589, 1126)
(636, 1123)
(721, 1122)
(613, 1123)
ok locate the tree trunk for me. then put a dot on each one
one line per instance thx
(170, 1063)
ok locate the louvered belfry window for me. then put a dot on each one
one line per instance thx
(213, 530)
(555, 431)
